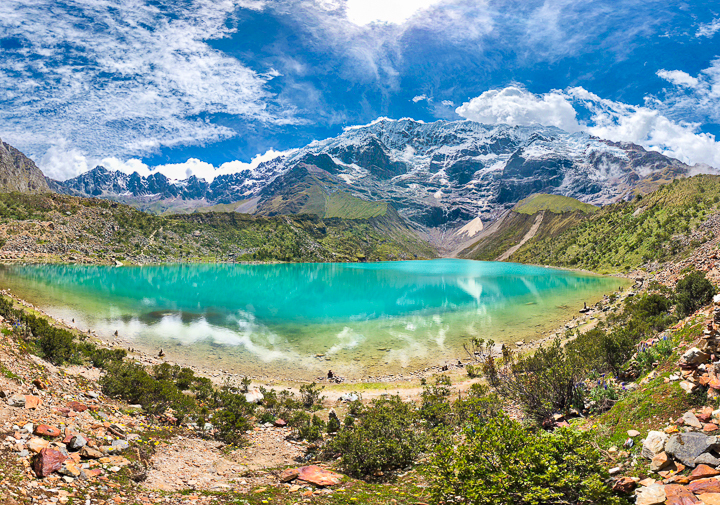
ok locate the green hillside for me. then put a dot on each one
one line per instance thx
(660, 226)
(557, 204)
(57, 227)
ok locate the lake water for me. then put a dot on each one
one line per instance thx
(299, 320)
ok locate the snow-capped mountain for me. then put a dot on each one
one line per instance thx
(435, 174)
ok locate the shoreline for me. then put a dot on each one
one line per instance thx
(399, 376)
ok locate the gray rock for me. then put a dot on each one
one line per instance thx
(17, 401)
(349, 397)
(688, 446)
(691, 420)
(707, 459)
(651, 495)
(120, 445)
(695, 356)
(24, 453)
(77, 442)
(653, 444)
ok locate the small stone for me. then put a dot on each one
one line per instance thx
(114, 460)
(705, 414)
(707, 459)
(633, 433)
(688, 387)
(710, 427)
(70, 469)
(90, 453)
(660, 461)
(45, 430)
(689, 419)
(702, 472)
(653, 444)
(319, 476)
(289, 474)
(77, 442)
(77, 406)
(280, 423)
(651, 495)
(48, 461)
(615, 470)
(37, 444)
(32, 402)
(120, 445)
(17, 401)
(625, 485)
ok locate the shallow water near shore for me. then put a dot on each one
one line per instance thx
(299, 320)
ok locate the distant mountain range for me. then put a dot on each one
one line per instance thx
(437, 175)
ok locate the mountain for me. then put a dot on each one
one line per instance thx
(19, 173)
(437, 175)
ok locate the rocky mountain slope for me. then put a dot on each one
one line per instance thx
(439, 175)
(19, 173)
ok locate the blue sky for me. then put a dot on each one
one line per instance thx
(141, 83)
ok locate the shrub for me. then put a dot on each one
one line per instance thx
(435, 408)
(231, 419)
(310, 429)
(499, 462)
(310, 396)
(384, 438)
(692, 292)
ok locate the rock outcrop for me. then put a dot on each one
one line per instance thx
(19, 173)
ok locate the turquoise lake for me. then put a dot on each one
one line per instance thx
(299, 320)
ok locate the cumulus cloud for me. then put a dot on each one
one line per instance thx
(515, 106)
(608, 119)
(419, 98)
(121, 77)
(678, 78)
(708, 29)
(193, 166)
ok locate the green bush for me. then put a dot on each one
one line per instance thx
(435, 408)
(310, 396)
(310, 429)
(500, 462)
(692, 292)
(385, 437)
(231, 419)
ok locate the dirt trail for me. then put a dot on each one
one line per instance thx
(530, 234)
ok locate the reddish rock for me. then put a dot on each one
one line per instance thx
(714, 383)
(679, 495)
(47, 462)
(705, 415)
(280, 423)
(709, 427)
(624, 485)
(319, 476)
(77, 406)
(710, 485)
(32, 402)
(703, 472)
(289, 474)
(45, 430)
(91, 474)
(39, 384)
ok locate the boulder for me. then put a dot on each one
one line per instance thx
(679, 495)
(651, 495)
(48, 461)
(45, 430)
(695, 356)
(686, 447)
(254, 396)
(654, 444)
(707, 459)
(319, 476)
(710, 498)
(703, 471)
(711, 485)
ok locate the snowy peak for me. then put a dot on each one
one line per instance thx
(441, 174)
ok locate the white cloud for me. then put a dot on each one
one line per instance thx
(193, 166)
(608, 119)
(678, 78)
(515, 106)
(448, 103)
(121, 77)
(708, 29)
(419, 98)
(363, 12)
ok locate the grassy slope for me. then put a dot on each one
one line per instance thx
(557, 204)
(109, 231)
(660, 226)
